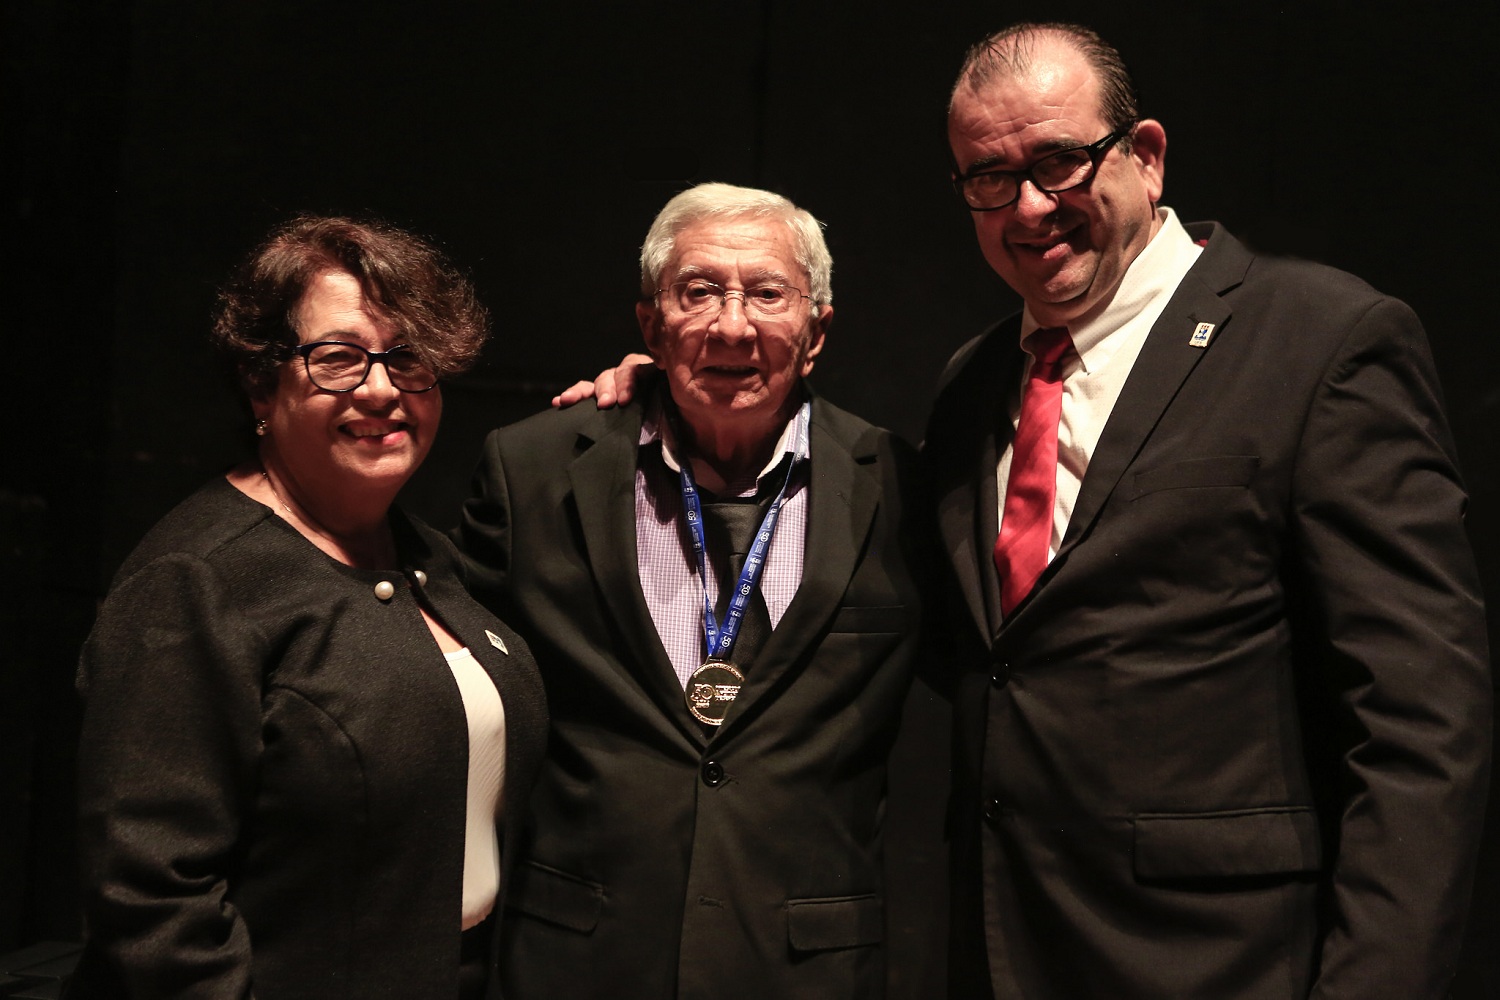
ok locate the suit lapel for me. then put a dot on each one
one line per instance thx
(603, 479)
(967, 501)
(1166, 359)
(961, 518)
(842, 500)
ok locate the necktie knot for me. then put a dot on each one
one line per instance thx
(1048, 347)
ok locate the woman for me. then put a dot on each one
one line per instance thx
(285, 789)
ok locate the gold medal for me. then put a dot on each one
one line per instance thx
(711, 690)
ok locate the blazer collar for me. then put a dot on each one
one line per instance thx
(603, 480)
(965, 447)
(1169, 355)
(843, 495)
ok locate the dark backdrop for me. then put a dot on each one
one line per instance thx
(147, 144)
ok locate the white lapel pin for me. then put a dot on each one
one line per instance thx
(497, 642)
(1201, 335)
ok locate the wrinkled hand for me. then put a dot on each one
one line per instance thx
(611, 387)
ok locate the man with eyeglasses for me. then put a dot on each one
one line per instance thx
(1223, 698)
(719, 585)
(1221, 680)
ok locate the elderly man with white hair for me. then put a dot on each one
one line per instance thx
(719, 582)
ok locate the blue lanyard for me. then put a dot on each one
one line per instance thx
(720, 637)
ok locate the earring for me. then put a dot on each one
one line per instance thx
(260, 428)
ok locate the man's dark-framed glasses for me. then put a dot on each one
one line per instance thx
(340, 367)
(987, 190)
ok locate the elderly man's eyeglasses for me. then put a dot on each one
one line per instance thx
(987, 190)
(698, 297)
(339, 367)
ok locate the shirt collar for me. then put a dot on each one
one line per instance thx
(793, 438)
(1156, 271)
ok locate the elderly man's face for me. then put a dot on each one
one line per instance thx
(1063, 253)
(732, 368)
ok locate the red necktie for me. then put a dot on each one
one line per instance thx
(1026, 524)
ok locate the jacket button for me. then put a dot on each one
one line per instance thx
(713, 773)
(1001, 674)
(992, 811)
(385, 590)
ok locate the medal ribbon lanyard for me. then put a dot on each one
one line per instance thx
(720, 637)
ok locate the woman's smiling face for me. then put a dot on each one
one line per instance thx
(329, 443)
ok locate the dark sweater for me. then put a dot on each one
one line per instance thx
(274, 764)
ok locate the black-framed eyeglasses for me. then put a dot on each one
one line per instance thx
(341, 367)
(700, 296)
(987, 190)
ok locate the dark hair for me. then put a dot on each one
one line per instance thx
(1008, 52)
(406, 279)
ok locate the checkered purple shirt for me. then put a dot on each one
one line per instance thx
(664, 546)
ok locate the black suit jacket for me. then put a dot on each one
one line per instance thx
(666, 863)
(1235, 743)
(274, 764)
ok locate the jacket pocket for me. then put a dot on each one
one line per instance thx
(1222, 470)
(897, 618)
(1234, 844)
(836, 922)
(555, 896)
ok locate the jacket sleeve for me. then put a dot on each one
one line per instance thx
(171, 677)
(1390, 589)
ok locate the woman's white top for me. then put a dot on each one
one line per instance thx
(486, 717)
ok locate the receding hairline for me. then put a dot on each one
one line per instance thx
(1026, 51)
(1014, 53)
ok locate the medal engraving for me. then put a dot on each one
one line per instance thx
(711, 690)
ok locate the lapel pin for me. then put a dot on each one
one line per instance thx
(1202, 333)
(497, 642)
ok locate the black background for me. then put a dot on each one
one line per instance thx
(148, 144)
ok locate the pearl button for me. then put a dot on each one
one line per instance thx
(385, 590)
(421, 578)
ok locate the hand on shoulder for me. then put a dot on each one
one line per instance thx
(611, 387)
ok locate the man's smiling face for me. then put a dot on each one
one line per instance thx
(1063, 253)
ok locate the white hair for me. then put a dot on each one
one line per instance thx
(713, 200)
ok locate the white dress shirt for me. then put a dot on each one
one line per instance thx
(1107, 341)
